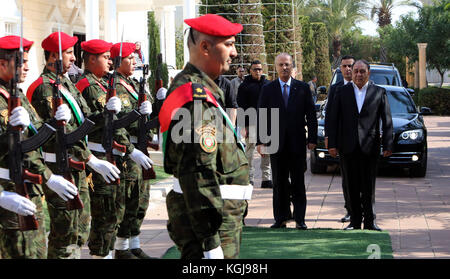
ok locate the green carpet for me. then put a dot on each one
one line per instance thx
(266, 243)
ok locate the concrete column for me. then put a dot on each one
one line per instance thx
(422, 65)
(188, 12)
(92, 19)
(110, 21)
(169, 50)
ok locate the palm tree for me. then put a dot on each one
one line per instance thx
(338, 15)
(383, 10)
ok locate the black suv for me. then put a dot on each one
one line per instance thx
(410, 136)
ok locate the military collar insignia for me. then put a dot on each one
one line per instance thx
(198, 92)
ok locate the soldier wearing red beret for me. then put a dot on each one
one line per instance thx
(127, 243)
(14, 243)
(208, 199)
(68, 228)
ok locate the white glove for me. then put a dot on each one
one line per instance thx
(114, 104)
(63, 113)
(140, 158)
(161, 94)
(19, 116)
(145, 108)
(64, 188)
(105, 168)
(216, 253)
(16, 203)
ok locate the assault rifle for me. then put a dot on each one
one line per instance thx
(111, 122)
(65, 141)
(144, 126)
(17, 146)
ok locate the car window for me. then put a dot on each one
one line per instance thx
(400, 102)
(381, 77)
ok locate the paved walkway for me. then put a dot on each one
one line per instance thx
(415, 211)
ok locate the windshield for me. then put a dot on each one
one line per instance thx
(381, 77)
(400, 102)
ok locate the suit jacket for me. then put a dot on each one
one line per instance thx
(292, 120)
(348, 128)
(330, 99)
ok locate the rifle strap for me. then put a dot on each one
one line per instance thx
(129, 88)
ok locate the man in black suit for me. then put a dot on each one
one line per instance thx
(354, 131)
(346, 70)
(292, 98)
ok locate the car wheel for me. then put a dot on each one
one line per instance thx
(421, 170)
(315, 166)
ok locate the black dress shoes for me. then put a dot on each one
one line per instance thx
(278, 225)
(352, 227)
(301, 226)
(372, 226)
(267, 184)
(346, 218)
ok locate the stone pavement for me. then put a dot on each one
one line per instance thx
(415, 211)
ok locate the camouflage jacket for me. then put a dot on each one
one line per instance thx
(94, 92)
(32, 161)
(127, 90)
(207, 162)
(41, 92)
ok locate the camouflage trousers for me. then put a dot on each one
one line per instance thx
(68, 228)
(15, 244)
(180, 230)
(107, 203)
(136, 201)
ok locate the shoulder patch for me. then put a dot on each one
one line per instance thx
(198, 91)
(82, 84)
(4, 114)
(33, 87)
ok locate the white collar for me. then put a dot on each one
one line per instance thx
(282, 82)
(346, 81)
(363, 89)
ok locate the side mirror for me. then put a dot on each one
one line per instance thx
(411, 91)
(322, 90)
(425, 111)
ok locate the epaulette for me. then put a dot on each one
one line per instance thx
(82, 84)
(33, 87)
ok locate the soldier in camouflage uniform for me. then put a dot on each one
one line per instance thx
(68, 229)
(209, 196)
(107, 201)
(137, 191)
(14, 243)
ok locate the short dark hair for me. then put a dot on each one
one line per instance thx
(86, 56)
(345, 57)
(365, 62)
(7, 54)
(255, 62)
(46, 55)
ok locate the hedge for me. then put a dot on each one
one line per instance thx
(437, 99)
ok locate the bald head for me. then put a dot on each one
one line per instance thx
(211, 54)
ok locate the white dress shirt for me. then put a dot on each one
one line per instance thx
(360, 94)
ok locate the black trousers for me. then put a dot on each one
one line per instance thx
(360, 172)
(288, 185)
(345, 187)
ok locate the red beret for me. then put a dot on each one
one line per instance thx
(214, 25)
(96, 46)
(127, 49)
(51, 42)
(13, 42)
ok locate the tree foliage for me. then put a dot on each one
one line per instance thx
(308, 48)
(432, 27)
(322, 61)
(250, 44)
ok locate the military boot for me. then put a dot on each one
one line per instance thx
(138, 252)
(124, 255)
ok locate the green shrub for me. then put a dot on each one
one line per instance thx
(437, 99)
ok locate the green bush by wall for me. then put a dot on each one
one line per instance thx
(437, 99)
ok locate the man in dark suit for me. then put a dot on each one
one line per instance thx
(346, 70)
(354, 131)
(292, 98)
